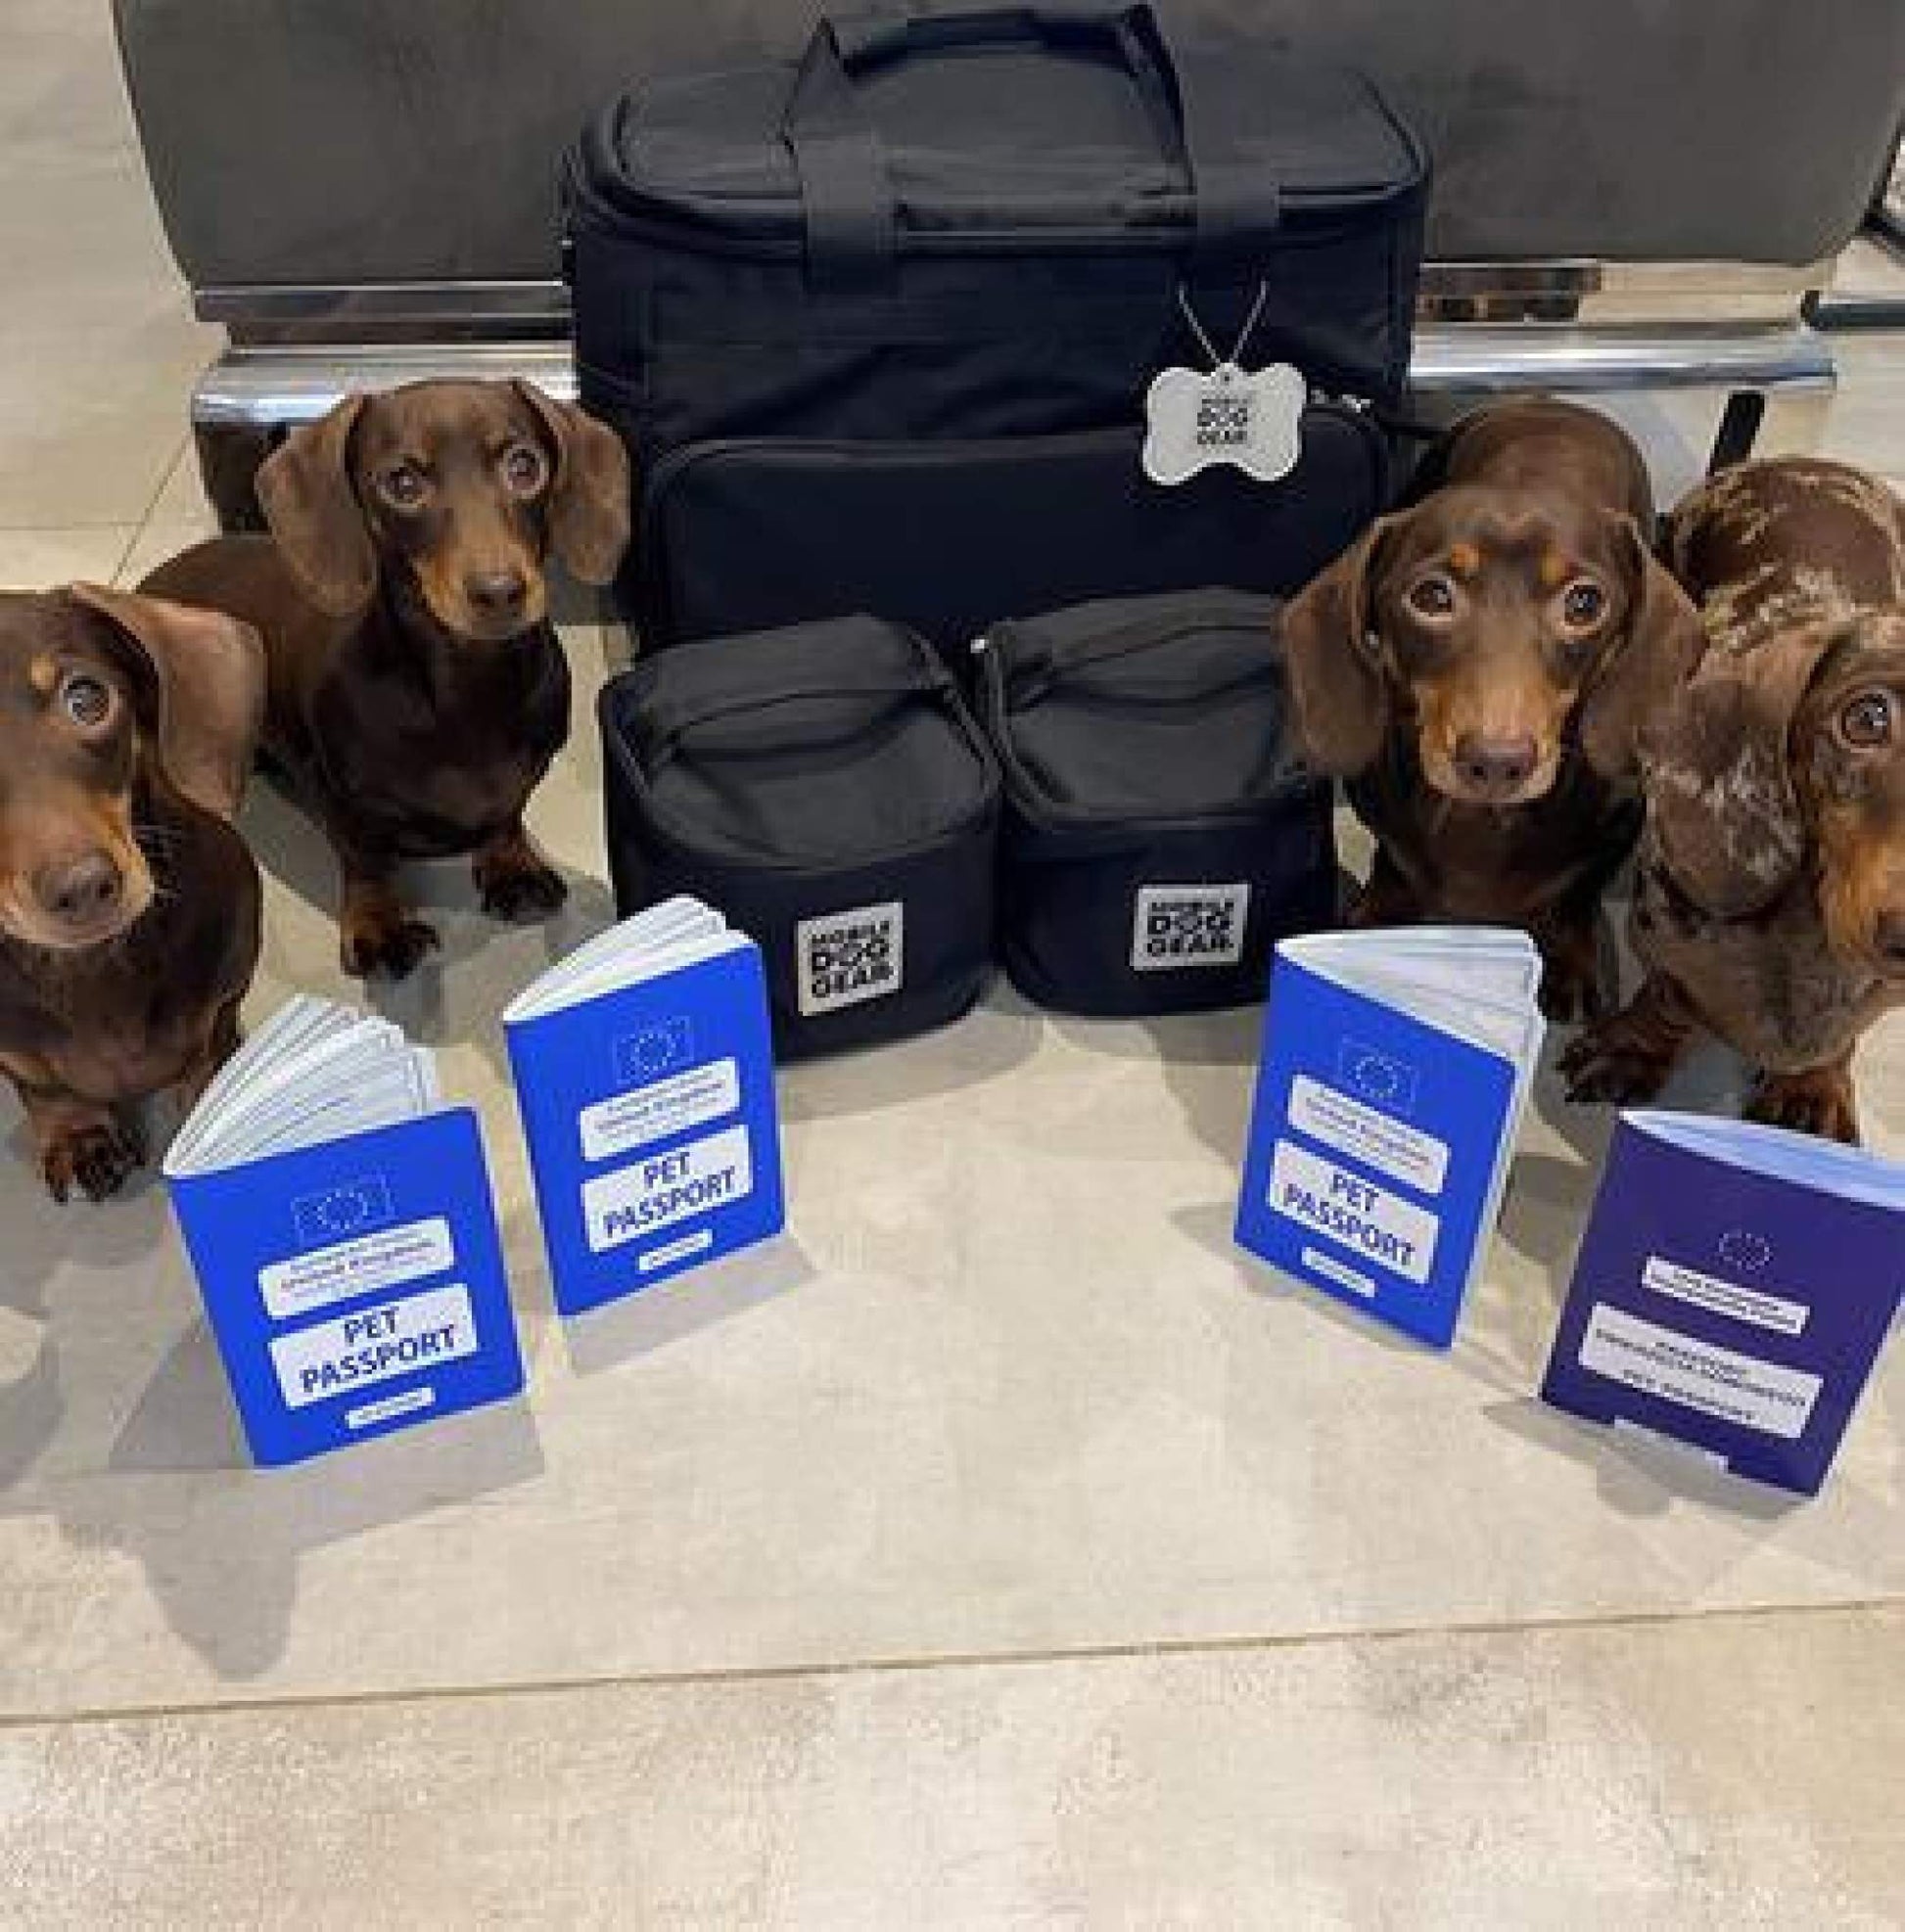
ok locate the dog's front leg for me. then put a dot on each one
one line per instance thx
(379, 932)
(1577, 965)
(1820, 1101)
(1387, 898)
(88, 1144)
(222, 1041)
(515, 880)
(1628, 1056)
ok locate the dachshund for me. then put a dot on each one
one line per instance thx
(1476, 667)
(129, 901)
(418, 690)
(1770, 893)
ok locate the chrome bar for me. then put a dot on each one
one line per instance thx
(1487, 359)
(258, 387)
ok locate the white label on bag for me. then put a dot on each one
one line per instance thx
(663, 1107)
(1681, 1368)
(647, 1196)
(849, 958)
(1249, 419)
(1709, 1291)
(346, 1269)
(372, 1345)
(1368, 1220)
(1392, 1147)
(1188, 926)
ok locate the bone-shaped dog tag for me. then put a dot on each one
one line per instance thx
(1251, 419)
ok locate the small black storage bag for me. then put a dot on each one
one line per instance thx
(1161, 832)
(826, 789)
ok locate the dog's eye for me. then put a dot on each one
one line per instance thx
(86, 700)
(524, 468)
(403, 486)
(1867, 719)
(1431, 597)
(1584, 603)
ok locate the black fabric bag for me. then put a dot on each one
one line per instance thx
(826, 789)
(878, 328)
(1161, 832)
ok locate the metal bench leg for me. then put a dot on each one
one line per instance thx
(228, 466)
(1740, 421)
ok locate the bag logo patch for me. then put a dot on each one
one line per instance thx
(1189, 925)
(850, 958)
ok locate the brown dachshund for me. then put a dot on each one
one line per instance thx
(1476, 667)
(1769, 895)
(418, 688)
(128, 903)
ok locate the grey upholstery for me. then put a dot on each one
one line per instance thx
(365, 140)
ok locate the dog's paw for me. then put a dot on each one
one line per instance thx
(386, 943)
(1604, 1067)
(1571, 994)
(1819, 1103)
(518, 886)
(96, 1159)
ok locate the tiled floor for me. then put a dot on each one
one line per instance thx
(1000, 1551)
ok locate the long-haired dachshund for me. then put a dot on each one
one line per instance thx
(1769, 895)
(1476, 667)
(128, 903)
(418, 688)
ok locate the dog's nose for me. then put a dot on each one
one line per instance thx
(1497, 764)
(79, 891)
(498, 594)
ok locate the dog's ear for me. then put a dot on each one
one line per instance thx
(305, 489)
(1719, 780)
(1656, 653)
(1334, 665)
(588, 501)
(205, 677)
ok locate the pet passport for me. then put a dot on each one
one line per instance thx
(1395, 1071)
(340, 1220)
(1733, 1291)
(644, 1076)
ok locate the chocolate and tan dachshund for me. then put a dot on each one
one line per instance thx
(128, 903)
(1770, 895)
(1476, 667)
(418, 689)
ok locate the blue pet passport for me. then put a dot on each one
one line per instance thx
(1396, 1066)
(644, 1075)
(340, 1221)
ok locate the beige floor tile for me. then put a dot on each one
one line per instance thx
(1866, 421)
(101, 347)
(1711, 1773)
(181, 517)
(35, 558)
(1871, 270)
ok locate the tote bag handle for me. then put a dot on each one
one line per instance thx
(850, 210)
